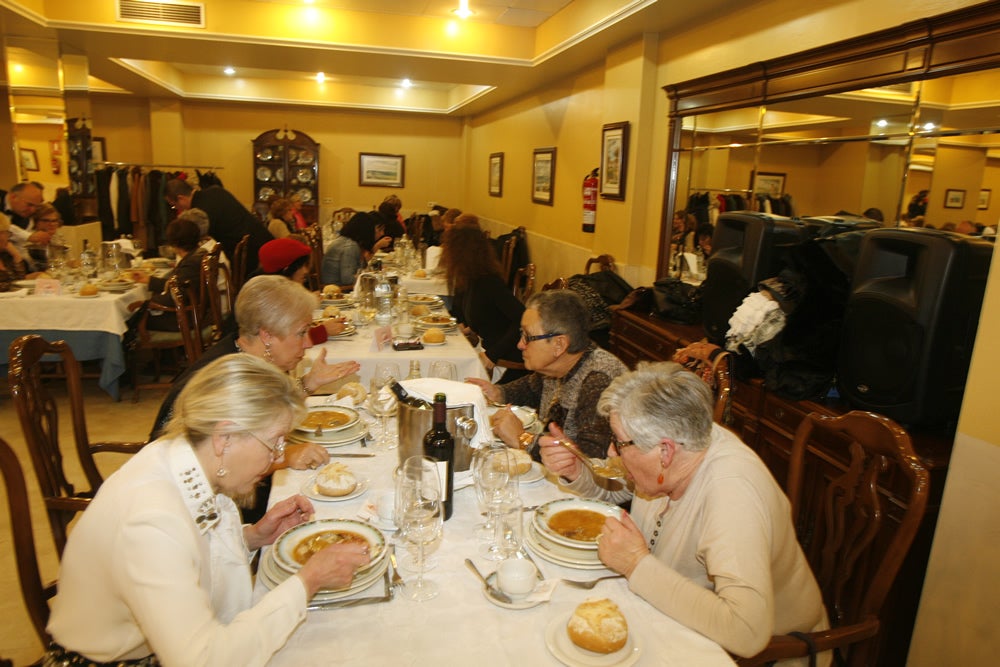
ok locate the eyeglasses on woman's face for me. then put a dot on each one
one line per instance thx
(528, 338)
(277, 450)
(619, 445)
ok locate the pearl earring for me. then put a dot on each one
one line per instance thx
(267, 352)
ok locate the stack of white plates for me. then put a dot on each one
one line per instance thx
(116, 285)
(280, 562)
(432, 301)
(349, 429)
(342, 301)
(444, 322)
(559, 548)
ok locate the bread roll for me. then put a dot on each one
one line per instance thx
(521, 460)
(355, 390)
(334, 479)
(88, 290)
(433, 335)
(419, 273)
(331, 311)
(598, 626)
(420, 310)
(331, 291)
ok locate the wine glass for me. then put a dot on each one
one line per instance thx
(421, 517)
(382, 401)
(493, 485)
(444, 370)
(366, 307)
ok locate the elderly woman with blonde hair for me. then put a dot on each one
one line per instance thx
(157, 570)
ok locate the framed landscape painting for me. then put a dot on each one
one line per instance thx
(543, 175)
(496, 174)
(381, 170)
(614, 160)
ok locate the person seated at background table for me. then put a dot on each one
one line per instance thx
(159, 564)
(183, 236)
(12, 266)
(705, 233)
(286, 257)
(300, 219)
(359, 238)
(207, 243)
(569, 374)
(482, 302)
(273, 315)
(48, 220)
(710, 540)
(282, 218)
(19, 205)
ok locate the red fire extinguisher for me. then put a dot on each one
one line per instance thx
(590, 183)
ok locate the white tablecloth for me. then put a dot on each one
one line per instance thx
(359, 348)
(107, 312)
(459, 626)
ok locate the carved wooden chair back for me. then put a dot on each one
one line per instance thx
(314, 239)
(38, 414)
(558, 283)
(857, 537)
(603, 262)
(714, 365)
(238, 262)
(524, 282)
(210, 294)
(35, 592)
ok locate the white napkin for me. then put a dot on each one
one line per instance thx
(432, 258)
(14, 294)
(458, 393)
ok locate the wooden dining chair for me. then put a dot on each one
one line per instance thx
(210, 295)
(35, 592)
(603, 262)
(193, 329)
(524, 282)
(238, 262)
(38, 414)
(857, 538)
(314, 239)
(715, 366)
(558, 283)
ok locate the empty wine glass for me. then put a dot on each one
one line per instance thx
(366, 307)
(444, 370)
(383, 402)
(422, 517)
(493, 485)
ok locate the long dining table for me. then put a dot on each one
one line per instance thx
(460, 626)
(91, 326)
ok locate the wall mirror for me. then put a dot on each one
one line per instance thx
(865, 123)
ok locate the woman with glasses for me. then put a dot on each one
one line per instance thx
(569, 372)
(710, 540)
(482, 302)
(274, 316)
(157, 570)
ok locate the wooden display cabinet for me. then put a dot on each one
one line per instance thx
(286, 163)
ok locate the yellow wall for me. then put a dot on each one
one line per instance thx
(36, 137)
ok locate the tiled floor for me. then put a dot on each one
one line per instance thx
(106, 421)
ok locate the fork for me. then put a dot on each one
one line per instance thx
(587, 585)
(397, 581)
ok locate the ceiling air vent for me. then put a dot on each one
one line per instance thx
(162, 12)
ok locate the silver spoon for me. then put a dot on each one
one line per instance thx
(602, 469)
(492, 591)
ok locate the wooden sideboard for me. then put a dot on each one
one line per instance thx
(767, 423)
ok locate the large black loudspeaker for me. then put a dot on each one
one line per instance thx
(911, 322)
(746, 248)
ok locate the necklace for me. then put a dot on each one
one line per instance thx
(659, 524)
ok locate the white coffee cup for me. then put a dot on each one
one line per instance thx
(385, 505)
(517, 577)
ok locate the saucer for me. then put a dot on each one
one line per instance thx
(309, 490)
(517, 604)
(536, 474)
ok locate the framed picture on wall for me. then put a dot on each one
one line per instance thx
(29, 159)
(98, 150)
(984, 199)
(954, 198)
(496, 174)
(381, 170)
(543, 175)
(614, 160)
(769, 183)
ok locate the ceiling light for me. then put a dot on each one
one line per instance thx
(229, 71)
(928, 127)
(320, 77)
(882, 122)
(463, 12)
(407, 83)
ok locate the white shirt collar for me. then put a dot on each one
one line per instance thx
(200, 499)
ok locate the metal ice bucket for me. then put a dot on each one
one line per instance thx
(414, 423)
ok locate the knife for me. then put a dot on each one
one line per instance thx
(346, 455)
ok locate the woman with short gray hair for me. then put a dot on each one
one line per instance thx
(157, 570)
(569, 374)
(710, 540)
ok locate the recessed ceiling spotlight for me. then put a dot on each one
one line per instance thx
(463, 12)
(882, 122)
(229, 71)
(929, 126)
(320, 77)
(407, 83)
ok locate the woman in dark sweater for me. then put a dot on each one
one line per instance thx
(482, 300)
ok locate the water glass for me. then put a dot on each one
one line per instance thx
(444, 370)
(421, 516)
(383, 402)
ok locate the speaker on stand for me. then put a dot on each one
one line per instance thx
(910, 323)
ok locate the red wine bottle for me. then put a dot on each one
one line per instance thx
(440, 446)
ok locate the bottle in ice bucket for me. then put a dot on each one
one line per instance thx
(440, 446)
(405, 398)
